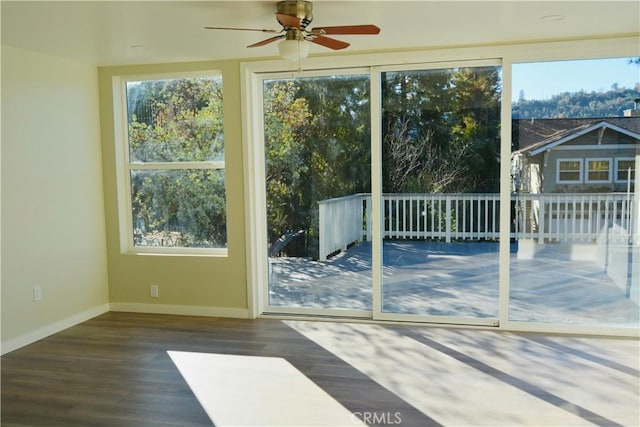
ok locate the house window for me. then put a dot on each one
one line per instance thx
(598, 170)
(625, 169)
(569, 171)
(173, 181)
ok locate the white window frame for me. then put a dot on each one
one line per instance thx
(616, 168)
(124, 167)
(587, 170)
(569, 181)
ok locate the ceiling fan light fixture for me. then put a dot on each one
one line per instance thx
(293, 49)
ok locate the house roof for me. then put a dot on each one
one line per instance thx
(534, 136)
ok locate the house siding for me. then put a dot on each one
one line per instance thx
(548, 166)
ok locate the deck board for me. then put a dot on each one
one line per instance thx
(456, 279)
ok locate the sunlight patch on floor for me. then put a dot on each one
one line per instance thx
(470, 377)
(258, 391)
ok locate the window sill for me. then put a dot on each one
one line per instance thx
(184, 252)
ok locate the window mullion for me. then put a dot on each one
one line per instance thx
(175, 165)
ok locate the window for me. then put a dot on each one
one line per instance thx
(569, 171)
(598, 170)
(174, 175)
(625, 169)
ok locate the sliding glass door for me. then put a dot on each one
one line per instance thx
(576, 199)
(440, 134)
(408, 193)
(318, 180)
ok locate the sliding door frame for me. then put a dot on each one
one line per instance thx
(376, 191)
(251, 74)
(262, 294)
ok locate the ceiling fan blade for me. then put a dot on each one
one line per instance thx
(289, 21)
(347, 29)
(266, 41)
(241, 29)
(328, 42)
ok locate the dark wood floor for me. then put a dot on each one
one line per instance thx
(114, 371)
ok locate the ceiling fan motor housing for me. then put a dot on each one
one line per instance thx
(303, 10)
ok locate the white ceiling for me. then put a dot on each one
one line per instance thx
(124, 32)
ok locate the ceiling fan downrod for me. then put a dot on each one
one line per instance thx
(303, 10)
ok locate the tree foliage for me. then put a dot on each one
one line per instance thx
(611, 103)
(177, 121)
(316, 147)
(440, 134)
(441, 130)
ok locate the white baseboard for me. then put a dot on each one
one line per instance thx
(54, 328)
(184, 310)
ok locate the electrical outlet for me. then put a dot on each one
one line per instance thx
(153, 290)
(37, 293)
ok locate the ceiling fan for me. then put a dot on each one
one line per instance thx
(294, 16)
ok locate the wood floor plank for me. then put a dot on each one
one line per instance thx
(114, 370)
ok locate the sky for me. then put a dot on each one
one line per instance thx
(541, 80)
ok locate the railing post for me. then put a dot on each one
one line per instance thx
(367, 213)
(448, 220)
(635, 217)
(322, 232)
(541, 214)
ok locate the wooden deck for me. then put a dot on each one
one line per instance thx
(457, 279)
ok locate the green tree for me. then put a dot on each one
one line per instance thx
(177, 121)
(441, 130)
(317, 147)
(475, 126)
(440, 134)
(414, 129)
(287, 123)
(611, 103)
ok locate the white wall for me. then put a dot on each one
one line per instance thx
(53, 229)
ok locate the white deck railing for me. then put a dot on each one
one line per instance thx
(580, 217)
(340, 223)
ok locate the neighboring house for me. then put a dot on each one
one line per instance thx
(586, 155)
(575, 181)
